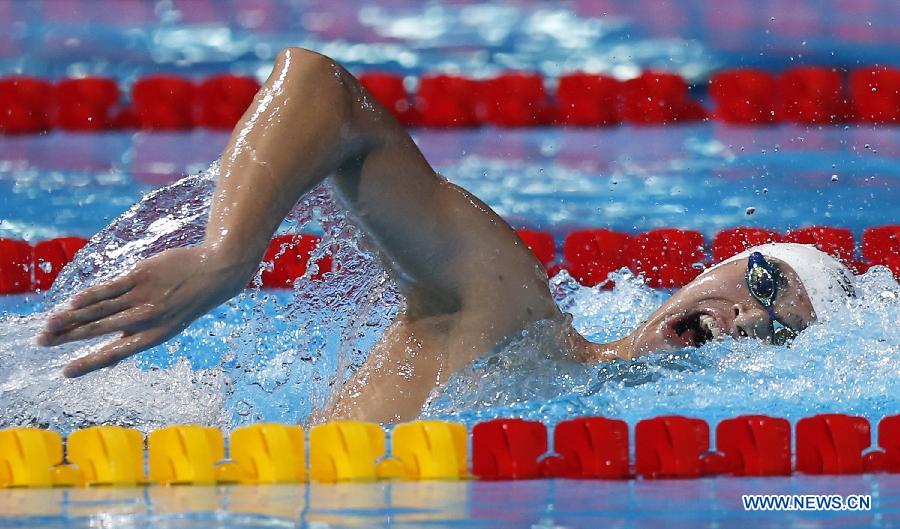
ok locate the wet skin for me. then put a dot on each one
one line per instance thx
(467, 278)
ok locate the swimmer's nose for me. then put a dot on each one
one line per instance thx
(751, 321)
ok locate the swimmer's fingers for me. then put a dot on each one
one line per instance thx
(95, 294)
(114, 352)
(127, 320)
(66, 319)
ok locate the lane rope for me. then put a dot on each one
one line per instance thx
(665, 257)
(671, 446)
(812, 95)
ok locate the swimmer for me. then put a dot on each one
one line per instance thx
(468, 281)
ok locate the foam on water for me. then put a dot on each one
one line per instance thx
(276, 356)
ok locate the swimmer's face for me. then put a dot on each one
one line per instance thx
(718, 305)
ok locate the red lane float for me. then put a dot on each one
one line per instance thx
(658, 98)
(514, 100)
(86, 104)
(881, 243)
(832, 444)
(893, 263)
(591, 255)
(125, 119)
(15, 266)
(746, 96)
(670, 447)
(223, 99)
(875, 95)
(587, 100)
(837, 242)
(50, 257)
(667, 257)
(889, 442)
(812, 95)
(26, 105)
(164, 102)
(755, 445)
(388, 89)
(592, 448)
(541, 245)
(508, 449)
(447, 101)
(733, 241)
(287, 258)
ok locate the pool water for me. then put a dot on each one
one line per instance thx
(543, 504)
(701, 177)
(275, 356)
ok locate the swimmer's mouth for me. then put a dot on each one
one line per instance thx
(695, 329)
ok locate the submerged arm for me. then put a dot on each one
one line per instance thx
(310, 119)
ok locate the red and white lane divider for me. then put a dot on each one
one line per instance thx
(804, 94)
(666, 257)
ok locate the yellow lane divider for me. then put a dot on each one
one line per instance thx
(108, 455)
(259, 454)
(345, 451)
(270, 453)
(31, 457)
(431, 450)
(189, 455)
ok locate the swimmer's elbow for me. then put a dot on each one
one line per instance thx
(302, 60)
(307, 74)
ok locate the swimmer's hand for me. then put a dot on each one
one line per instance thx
(153, 302)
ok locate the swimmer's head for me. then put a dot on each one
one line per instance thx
(808, 285)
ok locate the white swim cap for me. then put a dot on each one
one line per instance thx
(827, 282)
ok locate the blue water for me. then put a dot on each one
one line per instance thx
(488, 505)
(702, 177)
(274, 355)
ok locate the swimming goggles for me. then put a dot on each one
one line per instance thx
(762, 282)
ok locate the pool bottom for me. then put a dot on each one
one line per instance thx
(712, 502)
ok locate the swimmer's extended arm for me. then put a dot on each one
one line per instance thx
(312, 119)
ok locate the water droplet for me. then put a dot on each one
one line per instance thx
(834, 178)
(751, 210)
